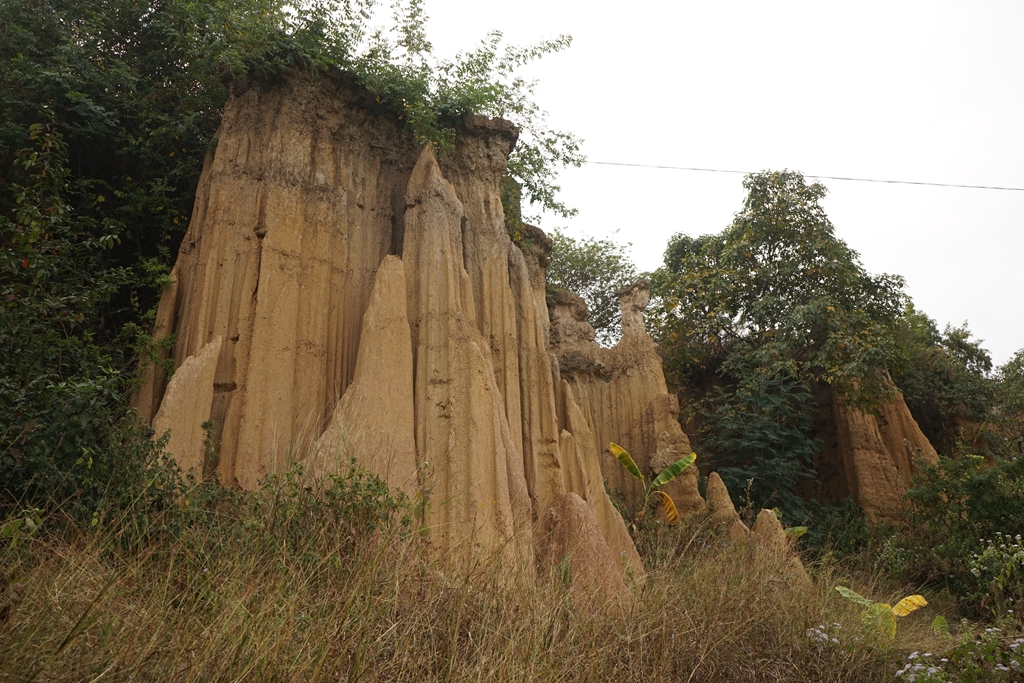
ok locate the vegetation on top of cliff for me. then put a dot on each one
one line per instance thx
(946, 380)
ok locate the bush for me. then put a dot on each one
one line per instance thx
(841, 529)
(1000, 566)
(986, 656)
(955, 507)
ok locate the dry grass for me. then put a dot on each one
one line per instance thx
(268, 590)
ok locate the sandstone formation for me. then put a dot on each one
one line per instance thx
(870, 457)
(185, 408)
(724, 517)
(343, 294)
(373, 422)
(774, 546)
(574, 548)
(622, 392)
(372, 307)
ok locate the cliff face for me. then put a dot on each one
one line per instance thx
(869, 457)
(294, 213)
(342, 293)
(622, 392)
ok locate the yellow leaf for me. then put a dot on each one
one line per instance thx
(627, 462)
(908, 605)
(671, 513)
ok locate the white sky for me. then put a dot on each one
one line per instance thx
(924, 91)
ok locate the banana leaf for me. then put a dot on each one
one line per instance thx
(671, 513)
(674, 470)
(908, 605)
(854, 596)
(627, 462)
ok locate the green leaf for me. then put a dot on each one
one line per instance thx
(854, 596)
(11, 528)
(880, 618)
(674, 470)
(627, 462)
(796, 531)
(940, 626)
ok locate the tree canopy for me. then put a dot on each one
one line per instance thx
(753, 318)
(594, 269)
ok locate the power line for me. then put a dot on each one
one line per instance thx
(816, 177)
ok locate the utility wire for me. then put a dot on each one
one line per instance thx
(816, 177)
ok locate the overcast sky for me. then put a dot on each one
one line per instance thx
(921, 91)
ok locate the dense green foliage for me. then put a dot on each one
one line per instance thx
(594, 269)
(754, 319)
(955, 506)
(1008, 414)
(107, 109)
(762, 323)
(944, 377)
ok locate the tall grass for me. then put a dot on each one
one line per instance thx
(288, 584)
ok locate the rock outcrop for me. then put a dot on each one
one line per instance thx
(343, 294)
(372, 307)
(574, 549)
(374, 420)
(621, 391)
(724, 517)
(870, 457)
(775, 548)
(185, 408)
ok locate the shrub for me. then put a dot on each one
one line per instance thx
(986, 656)
(840, 529)
(955, 506)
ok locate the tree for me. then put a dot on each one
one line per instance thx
(1009, 405)
(944, 377)
(753, 320)
(595, 270)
